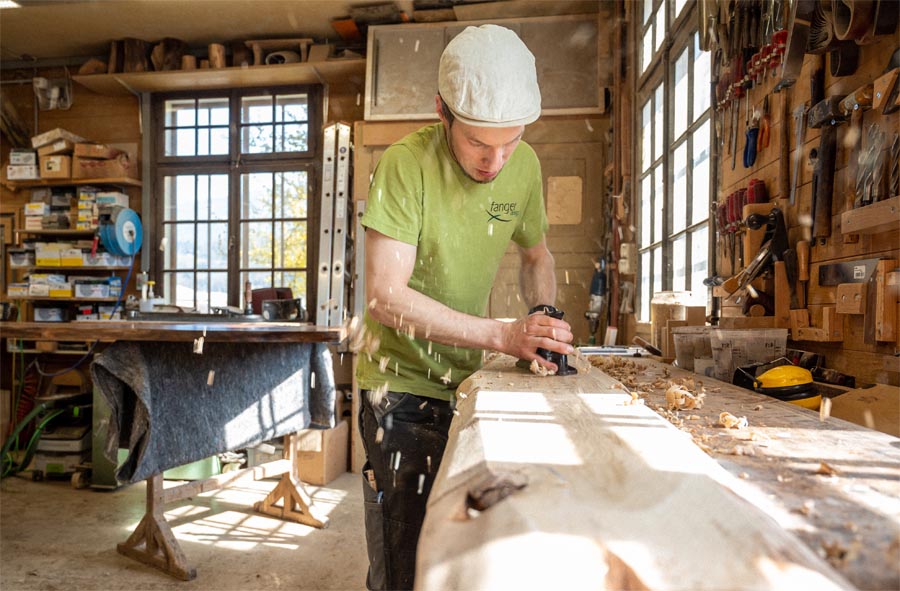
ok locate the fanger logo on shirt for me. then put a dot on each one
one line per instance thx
(507, 210)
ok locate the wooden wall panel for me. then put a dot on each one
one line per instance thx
(867, 361)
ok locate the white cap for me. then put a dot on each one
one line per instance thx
(488, 79)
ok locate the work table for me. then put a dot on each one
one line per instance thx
(214, 331)
(589, 474)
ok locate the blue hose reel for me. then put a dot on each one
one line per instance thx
(121, 231)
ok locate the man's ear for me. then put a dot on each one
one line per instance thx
(438, 109)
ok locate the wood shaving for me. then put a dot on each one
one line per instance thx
(742, 450)
(680, 398)
(826, 470)
(806, 508)
(729, 421)
(539, 370)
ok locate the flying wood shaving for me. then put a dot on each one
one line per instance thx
(825, 409)
(729, 421)
(446, 377)
(826, 470)
(806, 508)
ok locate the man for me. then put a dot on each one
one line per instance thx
(443, 205)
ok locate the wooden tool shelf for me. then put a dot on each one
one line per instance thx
(882, 216)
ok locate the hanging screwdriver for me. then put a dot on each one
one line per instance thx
(752, 139)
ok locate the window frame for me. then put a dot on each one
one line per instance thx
(234, 164)
(680, 35)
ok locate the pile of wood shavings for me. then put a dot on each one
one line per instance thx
(680, 394)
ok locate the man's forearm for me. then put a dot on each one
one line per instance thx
(410, 311)
(537, 279)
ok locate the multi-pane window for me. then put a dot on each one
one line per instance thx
(235, 173)
(673, 163)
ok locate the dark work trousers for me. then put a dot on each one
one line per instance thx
(396, 487)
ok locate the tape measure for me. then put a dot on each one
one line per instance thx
(121, 231)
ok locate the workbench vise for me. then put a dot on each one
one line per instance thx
(560, 359)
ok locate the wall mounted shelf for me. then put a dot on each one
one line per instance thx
(332, 72)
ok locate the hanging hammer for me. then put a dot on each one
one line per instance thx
(827, 115)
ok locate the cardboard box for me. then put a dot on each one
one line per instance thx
(48, 137)
(876, 407)
(91, 168)
(322, 454)
(37, 209)
(58, 147)
(16, 290)
(47, 256)
(98, 151)
(50, 314)
(19, 157)
(60, 290)
(112, 198)
(22, 172)
(71, 257)
(56, 167)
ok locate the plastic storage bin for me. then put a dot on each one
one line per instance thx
(733, 348)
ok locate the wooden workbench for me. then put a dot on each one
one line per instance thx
(153, 541)
(565, 482)
(109, 331)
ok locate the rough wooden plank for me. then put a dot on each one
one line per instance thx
(577, 487)
(849, 517)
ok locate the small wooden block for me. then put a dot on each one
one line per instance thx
(884, 84)
(851, 298)
(799, 319)
(885, 303)
(832, 324)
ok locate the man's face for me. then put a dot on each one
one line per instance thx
(481, 151)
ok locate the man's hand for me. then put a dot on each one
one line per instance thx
(525, 336)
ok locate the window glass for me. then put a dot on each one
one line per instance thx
(646, 136)
(700, 174)
(657, 269)
(644, 300)
(196, 127)
(659, 123)
(647, 212)
(699, 259)
(658, 199)
(679, 188)
(660, 27)
(680, 115)
(647, 50)
(679, 258)
(701, 80)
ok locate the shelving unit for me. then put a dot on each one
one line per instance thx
(68, 234)
(332, 72)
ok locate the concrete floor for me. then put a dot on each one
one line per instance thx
(55, 537)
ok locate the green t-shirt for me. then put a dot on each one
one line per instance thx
(461, 229)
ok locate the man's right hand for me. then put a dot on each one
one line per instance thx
(525, 336)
